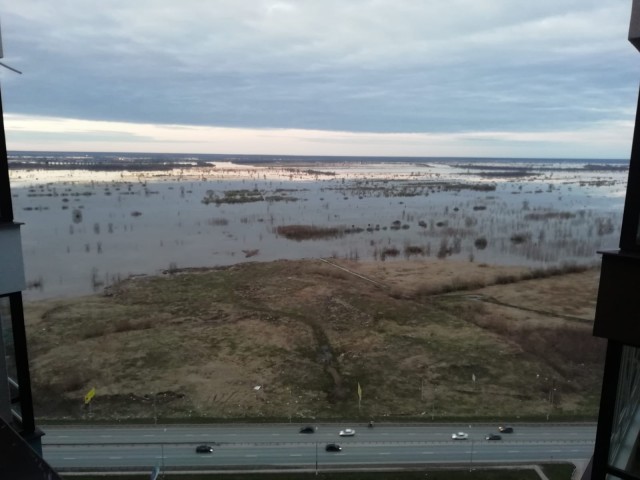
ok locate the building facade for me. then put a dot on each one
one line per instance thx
(617, 448)
(16, 406)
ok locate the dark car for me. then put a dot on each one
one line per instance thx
(333, 447)
(308, 429)
(505, 429)
(493, 436)
(204, 449)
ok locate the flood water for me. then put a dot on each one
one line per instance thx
(85, 230)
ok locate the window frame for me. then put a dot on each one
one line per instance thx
(23, 380)
(6, 206)
(630, 232)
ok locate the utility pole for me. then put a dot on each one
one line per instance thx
(433, 403)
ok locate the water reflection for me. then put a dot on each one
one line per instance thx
(81, 235)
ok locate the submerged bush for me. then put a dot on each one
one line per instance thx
(308, 232)
(604, 226)
(519, 238)
(389, 251)
(481, 243)
(549, 215)
(413, 250)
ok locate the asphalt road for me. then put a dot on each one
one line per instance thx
(281, 445)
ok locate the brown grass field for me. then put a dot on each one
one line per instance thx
(197, 344)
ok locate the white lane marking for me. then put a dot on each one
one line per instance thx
(148, 435)
(105, 436)
(555, 451)
(295, 454)
(574, 450)
(513, 451)
(275, 434)
(69, 458)
(115, 458)
(427, 453)
(384, 453)
(251, 456)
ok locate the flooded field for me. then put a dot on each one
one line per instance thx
(84, 230)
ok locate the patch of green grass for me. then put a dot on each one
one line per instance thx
(558, 471)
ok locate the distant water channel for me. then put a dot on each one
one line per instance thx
(84, 230)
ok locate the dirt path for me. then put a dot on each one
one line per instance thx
(358, 275)
(548, 313)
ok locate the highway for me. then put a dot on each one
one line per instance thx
(246, 446)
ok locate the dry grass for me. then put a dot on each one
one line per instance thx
(307, 333)
(308, 232)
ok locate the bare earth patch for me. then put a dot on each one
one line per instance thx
(428, 339)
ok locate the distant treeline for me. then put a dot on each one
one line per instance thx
(516, 170)
(169, 158)
(100, 166)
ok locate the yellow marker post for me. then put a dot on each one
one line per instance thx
(90, 394)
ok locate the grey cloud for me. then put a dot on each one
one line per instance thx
(383, 66)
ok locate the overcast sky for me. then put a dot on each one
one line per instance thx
(550, 78)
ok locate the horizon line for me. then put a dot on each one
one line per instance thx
(452, 157)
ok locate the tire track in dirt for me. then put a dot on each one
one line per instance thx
(351, 272)
(495, 301)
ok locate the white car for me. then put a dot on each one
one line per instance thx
(460, 436)
(347, 432)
